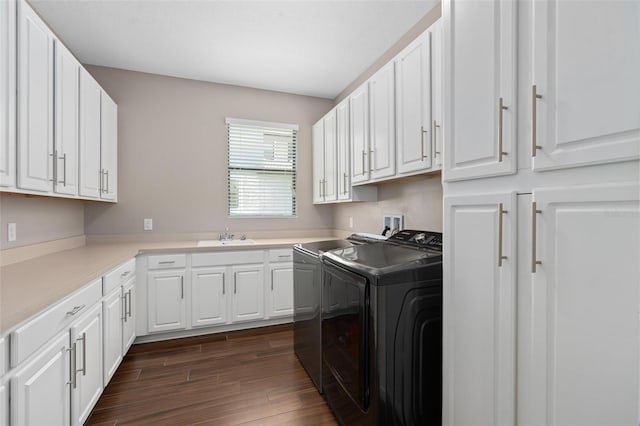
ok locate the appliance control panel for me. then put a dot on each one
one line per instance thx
(424, 239)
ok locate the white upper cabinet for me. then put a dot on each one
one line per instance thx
(329, 185)
(436, 92)
(8, 93)
(413, 105)
(359, 121)
(35, 101)
(108, 147)
(585, 113)
(343, 150)
(91, 175)
(317, 140)
(480, 88)
(65, 154)
(382, 137)
(579, 324)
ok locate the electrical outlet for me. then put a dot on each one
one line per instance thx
(395, 222)
(148, 224)
(11, 232)
(350, 222)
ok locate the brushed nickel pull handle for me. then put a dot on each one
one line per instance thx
(84, 354)
(320, 187)
(181, 287)
(534, 118)
(435, 127)
(534, 231)
(501, 108)
(75, 310)
(124, 307)
(124, 274)
(344, 178)
(235, 281)
(422, 132)
(166, 262)
(501, 211)
(223, 284)
(72, 366)
(363, 165)
(129, 310)
(371, 153)
(64, 169)
(107, 174)
(272, 281)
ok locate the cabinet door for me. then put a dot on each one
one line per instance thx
(329, 188)
(90, 178)
(479, 310)
(343, 143)
(359, 121)
(248, 292)
(281, 294)
(437, 83)
(112, 314)
(67, 77)
(480, 67)
(166, 303)
(40, 388)
(317, 139)
(109, 147)
(580, 365)
(8, 93)
(382, 148)
(86, 336)
(413, 105)
(129, 315)
(4, 405)
(35, 101)
(586, 68)
(208, 296)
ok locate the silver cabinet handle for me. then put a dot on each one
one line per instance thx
(435, 140)
(72, 366)
(344, 179)
(223, 284)
(124, 274)
(101, 181)
(181, 287)
(534, 118)
(284, 256)
(501, 211)
(84, 354)
(320, 187)
(129, 310)
(271, 280)
(167, 262)
(64, 169)
(107, 174)
(235, 281)
(501, 108)
(363, 165)
(422, 132)
(371, 153)
(324, 188)
(534, 231)
(124, 307)
(75, 310)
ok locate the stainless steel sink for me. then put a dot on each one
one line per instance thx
(220, 243)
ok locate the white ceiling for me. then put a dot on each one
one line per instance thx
(308, 47)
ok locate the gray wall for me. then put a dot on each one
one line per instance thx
(172, 154)
(39, 219)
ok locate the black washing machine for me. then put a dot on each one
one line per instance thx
(382, 331)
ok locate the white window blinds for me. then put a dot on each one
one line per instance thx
(262, 168)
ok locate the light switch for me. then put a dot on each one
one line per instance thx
(148, 224)
(11, 232)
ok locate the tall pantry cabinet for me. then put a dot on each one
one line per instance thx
(541, 212)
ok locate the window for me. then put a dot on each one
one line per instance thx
(262, 168)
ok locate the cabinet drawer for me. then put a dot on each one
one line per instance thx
(227, 258)
(26, 339)
(118, 276)
(167, 261)
(281, 255)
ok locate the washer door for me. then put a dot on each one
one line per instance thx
(345, 300)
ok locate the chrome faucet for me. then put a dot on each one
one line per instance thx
(226, 236)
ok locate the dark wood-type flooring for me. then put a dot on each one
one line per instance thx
(248, 377)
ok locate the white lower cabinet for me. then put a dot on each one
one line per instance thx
(129, 315)
(112, 315)
(280, 290)
(86, 375)
(208, 296)
(40, 388)
(248, 291)
(167, 303)
(4, 405)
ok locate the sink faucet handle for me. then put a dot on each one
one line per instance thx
(244, 237)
